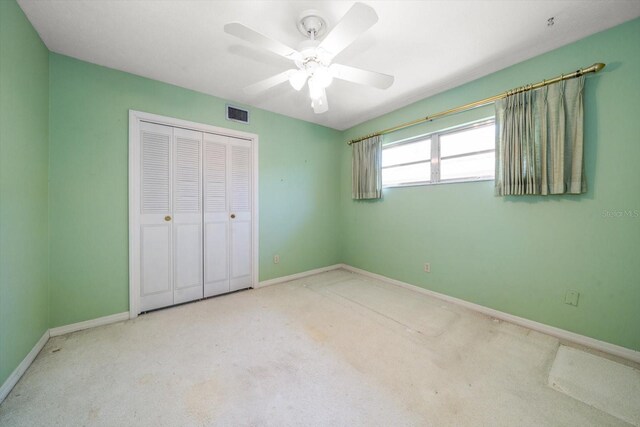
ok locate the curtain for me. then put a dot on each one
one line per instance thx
(539, 141)
(366, 169)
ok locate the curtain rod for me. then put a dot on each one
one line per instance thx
(592, 69)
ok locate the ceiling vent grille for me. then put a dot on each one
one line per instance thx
(237, 114)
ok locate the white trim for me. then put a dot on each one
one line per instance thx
(255, 219)
(17, 373)
(186, 124)
(616, 350)
(299, 275)
(134, 218)
(87, 324)
(135, 117)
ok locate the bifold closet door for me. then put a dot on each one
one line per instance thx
(216, 215)
(156, 266)
(187, 215)
(170, 216)
(240, 164)
(227, 217)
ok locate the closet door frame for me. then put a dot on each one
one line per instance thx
(135, 119)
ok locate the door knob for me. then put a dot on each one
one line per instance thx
(167, 218)
(233, 216)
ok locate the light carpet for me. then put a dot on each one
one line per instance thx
(334, 349)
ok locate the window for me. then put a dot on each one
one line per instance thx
(464, 153)
(407, 162)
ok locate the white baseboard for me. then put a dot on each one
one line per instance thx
(616, 350)
(100, 321)
(298, 275)
(17, 373)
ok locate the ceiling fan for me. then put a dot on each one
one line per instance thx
(313, 57)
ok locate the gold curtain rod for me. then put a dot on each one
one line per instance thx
(592, 69)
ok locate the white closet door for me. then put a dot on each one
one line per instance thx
(240, 196)
(187, 215)
(216, 215)
(191, 204)
(156, 275)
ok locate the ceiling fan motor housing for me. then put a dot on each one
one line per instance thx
(311, 53)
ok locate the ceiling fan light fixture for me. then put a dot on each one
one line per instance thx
(323, 76)
(297, 79)
(316, 90)
(320, 105)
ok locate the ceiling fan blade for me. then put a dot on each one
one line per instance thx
(360, 76)
(247, 34)
(268, 83)
(320, 105)
(355, 22)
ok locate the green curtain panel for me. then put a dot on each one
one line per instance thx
(539, 141)
(366, 162)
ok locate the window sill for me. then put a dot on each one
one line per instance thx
(449, 181)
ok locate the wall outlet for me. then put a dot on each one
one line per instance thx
(276, 259)
(427, 267)
(571, 297)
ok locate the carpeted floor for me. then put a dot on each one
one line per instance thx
(334, 349)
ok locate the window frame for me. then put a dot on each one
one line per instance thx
(435, 158)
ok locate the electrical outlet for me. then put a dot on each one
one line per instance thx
(571, 297)
(276, 259)
(427, 267)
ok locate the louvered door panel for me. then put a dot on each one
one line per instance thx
(216, 217)
(216, 175)
(188, 174)
(240, 175)
(156, 268)
(187, 215)
(156, 149)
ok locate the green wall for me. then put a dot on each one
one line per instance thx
(89, 191)
(24, 134)
(521, 255)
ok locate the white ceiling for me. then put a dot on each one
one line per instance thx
(429, 46)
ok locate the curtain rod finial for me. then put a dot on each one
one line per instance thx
(598, 66)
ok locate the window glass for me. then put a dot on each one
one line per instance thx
(419, 172)
(472, 166)
(467, 141)
(407, 153)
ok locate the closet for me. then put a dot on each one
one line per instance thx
(191, 219)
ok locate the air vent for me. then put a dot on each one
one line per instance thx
(237, 114)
